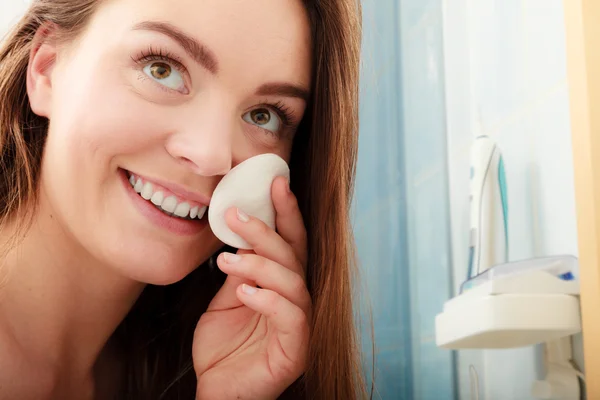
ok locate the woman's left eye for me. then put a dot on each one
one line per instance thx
(165, 74)
(263, 118)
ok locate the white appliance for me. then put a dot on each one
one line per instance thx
(489, 208)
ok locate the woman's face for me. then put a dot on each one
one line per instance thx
(153, 104)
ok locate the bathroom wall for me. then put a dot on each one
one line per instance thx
(402, 222)
(428, 219)
(402, 232)
(505, 70)
(402, 204)
(380, 206)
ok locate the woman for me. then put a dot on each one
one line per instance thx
(117, 120)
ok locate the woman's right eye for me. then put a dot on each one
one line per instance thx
(166, 75)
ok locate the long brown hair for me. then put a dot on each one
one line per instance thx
(155, 338)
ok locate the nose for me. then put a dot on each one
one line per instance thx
(204, 143)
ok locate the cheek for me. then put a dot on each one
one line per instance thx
(102, 119)
(246, 146)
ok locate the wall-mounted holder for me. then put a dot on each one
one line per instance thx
(520, 304)
(513, 305)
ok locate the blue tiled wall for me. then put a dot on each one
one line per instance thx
(429, 267)
(427, 196)
(401, 210)
(380, 205)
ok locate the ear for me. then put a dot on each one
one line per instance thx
(42, 59)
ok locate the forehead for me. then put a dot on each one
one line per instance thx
(249, 38)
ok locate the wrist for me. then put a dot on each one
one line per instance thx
(207, 391)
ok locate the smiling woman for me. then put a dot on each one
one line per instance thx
(117, 121)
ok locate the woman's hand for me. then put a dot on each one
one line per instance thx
(252, 342)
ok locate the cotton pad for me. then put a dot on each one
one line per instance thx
(248, 187)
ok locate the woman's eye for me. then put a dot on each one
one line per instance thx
(164, 74)
(263, 118)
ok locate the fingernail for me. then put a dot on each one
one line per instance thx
(287, 186)
(242, 216)
(249, 289)
(231, 258)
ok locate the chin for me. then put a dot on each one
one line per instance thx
(156, 264)
(154, 272)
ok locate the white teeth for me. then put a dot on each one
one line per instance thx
(169, 204)
(138, 186)
(157, 198)
(182, 210)
(147, 191)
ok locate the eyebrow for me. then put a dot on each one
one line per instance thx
(284, 90)
(199, 52)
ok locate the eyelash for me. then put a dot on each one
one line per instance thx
(284, 112)
(151, 54)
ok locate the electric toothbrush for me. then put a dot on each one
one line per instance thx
(489, 207)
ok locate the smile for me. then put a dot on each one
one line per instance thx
(166, 201)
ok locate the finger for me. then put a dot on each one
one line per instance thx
(289, 320)
(226, 298)
(289, 221)
(268, 275)
(264, 240)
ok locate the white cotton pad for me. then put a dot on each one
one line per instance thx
(248, 187)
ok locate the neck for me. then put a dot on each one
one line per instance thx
(59, 303)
